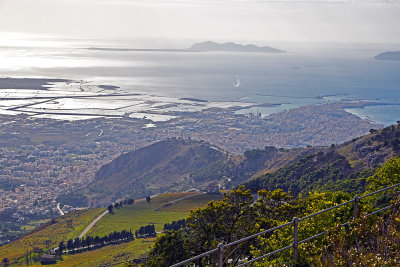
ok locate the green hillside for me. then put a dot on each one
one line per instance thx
(50, 234)
(343, 167)
(109, 254)
(162, 209)
(365, 241)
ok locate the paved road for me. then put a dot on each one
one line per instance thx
(92, 223)
(59, 209)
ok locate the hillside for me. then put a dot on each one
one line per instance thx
(263, 230)
(239, 168)
(343, 167)
(49, 234)
(178, 165)
(162, 209)
(163, 166)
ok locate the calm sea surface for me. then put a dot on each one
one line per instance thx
(292, 79)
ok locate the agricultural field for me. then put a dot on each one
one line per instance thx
(194, 202)
(110, 254)
(48, 235)
(162, 209)
(32, 225)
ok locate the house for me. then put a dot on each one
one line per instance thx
(213, 188)
(48, 259)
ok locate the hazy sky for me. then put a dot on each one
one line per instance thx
(269, 20)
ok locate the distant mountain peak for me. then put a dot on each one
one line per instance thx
(231, 46)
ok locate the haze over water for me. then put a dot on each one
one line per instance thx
(299, 77)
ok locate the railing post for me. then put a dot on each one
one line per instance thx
(221, 251)
(295, 242)
(356, 200)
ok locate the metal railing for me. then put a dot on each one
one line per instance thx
(295, 222)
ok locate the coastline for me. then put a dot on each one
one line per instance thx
(284, 124)
(74, 100)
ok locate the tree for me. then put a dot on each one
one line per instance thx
(110, 208)
(148, 199)
(169, 248)
(116, 205)
(96, 240)
(5, 262)
(88, 241)
(371, 241)
(61, 247)
(83, 242)
(387, 175)
(77, 243)
(70, 244)
(175, 225)
(151, 230)
(220, 222)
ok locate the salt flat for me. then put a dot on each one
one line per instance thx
(71, 100)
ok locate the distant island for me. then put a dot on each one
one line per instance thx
(207, 46)
(213, 46)
(391, 55)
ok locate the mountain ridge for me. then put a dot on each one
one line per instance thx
(231, 46)
(151, 170)
(344, 167)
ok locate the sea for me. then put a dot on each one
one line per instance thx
(307, 74)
